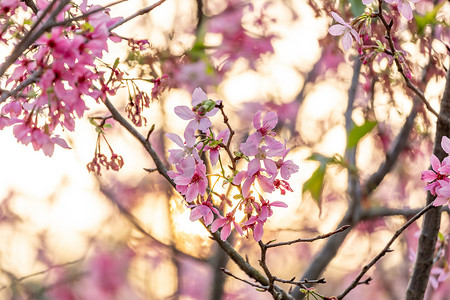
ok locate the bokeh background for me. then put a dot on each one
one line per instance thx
(127, 235)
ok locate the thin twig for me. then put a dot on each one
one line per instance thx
(36, 273)
(320, 237)
(384, 251)
(393, 51)
(243, 280)
(301, 283)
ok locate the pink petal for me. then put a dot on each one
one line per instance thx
(428, 176)
(226, 231)
(347, 41)
(445, 144)
(175, 138)
(198, 96)
(435, 163)
(254, 166)
(270, 120)
(258, 232)
(184, 112)
(271, 166)
(337, 30)
(338, 18)
(238, 228)
(440, 201)
(257, 120)
(278, 204)
(218, 224)
(196, 214)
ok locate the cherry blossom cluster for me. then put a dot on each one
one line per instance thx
(265, 171)
(360, 29)
(438, 177)
(50, 83)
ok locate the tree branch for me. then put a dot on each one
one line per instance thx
(384, 251)
(430, 228)
(137, 14)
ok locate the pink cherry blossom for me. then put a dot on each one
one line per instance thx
(204, 210)
(190, 179)
(214, 146)
(199, 119)
(187, 147)
(257, 225)
(225, 223)
(404, 7)
(439, 275)
(344, 29)
(266, 208)
(266, 183)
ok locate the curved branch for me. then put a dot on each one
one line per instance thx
(384, 251)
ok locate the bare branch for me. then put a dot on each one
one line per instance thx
(243, 280)
(385, 250)
(320, 237)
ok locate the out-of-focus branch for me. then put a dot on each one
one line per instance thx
(136, 223)
(334, 242)
(391, 157)
(384, 251)
(140, 12)
(430, 228)
(16, 279)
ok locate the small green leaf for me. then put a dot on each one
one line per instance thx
(441, 237)
(116, 63)
(358, 132)
(320, 158)
(357, 7)
(107, 125)
(315, 183)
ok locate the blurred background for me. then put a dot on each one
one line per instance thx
(71, 234)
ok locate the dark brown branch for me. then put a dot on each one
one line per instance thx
(385, 250)
(31, 5)
(431, 223)
(243, 280)
(301, 283)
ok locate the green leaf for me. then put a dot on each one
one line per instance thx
(441, 237)
(315, 183)
(358, 132)
(107, 125)
(357, 7)
(116, 63)
(427, 19)
(320, 158)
